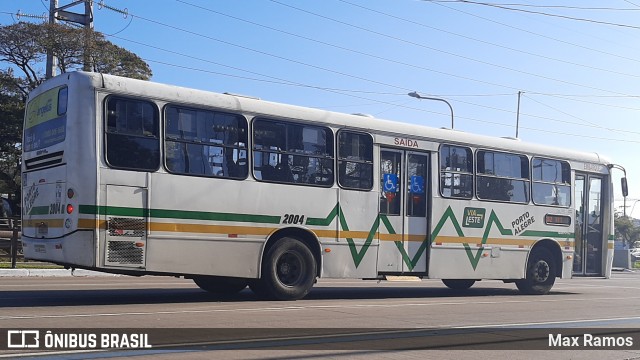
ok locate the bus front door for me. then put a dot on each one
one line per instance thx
(403, 227)
(589, 238)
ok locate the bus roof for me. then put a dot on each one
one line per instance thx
(255, 106)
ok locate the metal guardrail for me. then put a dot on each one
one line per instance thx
(10, 229)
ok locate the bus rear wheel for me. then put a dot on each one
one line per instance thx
(458, 284)
(220, 285)
(541, 273)
(288, 271)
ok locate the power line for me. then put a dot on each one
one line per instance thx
(333, 71)
(346, 93)
(339, 91)
(545, 14)
(531, 32)
(573, 98)
(269, 78)
(356, 51)
(590, 124)
(445, 52)
(342, 91)
(551, 6)
(634, 4)
(271, 55)
(487, 42)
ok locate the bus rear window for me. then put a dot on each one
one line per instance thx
(46, 119)
(132, 128)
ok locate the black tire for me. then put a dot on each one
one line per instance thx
(220, 285)
(288, 271)
(458, 284)
(541, 273)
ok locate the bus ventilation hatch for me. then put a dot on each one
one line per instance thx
(126, 242)
(44, 161)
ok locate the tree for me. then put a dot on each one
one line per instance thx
(23, 48)
(625, 229)
(11, 112)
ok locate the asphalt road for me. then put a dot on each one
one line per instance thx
(339, 319)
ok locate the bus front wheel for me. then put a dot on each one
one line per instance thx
(541, 273)
(288, 271)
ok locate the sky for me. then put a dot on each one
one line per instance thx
(575, 63)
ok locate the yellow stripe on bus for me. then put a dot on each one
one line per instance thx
(264, 231)
(51, 223)
(478, 240)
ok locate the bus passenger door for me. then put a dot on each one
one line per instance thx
(415, 237)
(403, 211)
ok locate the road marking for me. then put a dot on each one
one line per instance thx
(547, 323)
(138, 285)
(312, 307)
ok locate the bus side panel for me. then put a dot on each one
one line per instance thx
(200, 225)
(353, 253)
(490, 240)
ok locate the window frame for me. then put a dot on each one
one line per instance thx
(569, 184)
(441, 172)
(165, 140)
(479, 175)
(286, 122)
(339, 159)
(106, 132)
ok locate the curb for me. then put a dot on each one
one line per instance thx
(50, 273)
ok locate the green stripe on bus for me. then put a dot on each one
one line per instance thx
(39, 210)
(177, 214)
(327, 220)
(336, 212)
(112, 210)
(550, 234)
(200, 215)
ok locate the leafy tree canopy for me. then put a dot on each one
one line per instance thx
(23, 51)
(626, 230)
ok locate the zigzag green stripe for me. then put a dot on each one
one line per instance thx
(493, 219)
(357, 255)
(327, 220)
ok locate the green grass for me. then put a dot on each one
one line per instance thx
(30, 265)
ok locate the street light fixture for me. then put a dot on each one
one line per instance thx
(418, 96)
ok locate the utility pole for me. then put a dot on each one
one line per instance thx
(518, 113)
(60, 13)
(52, 62)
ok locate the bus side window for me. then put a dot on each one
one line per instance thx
(205, 143)
(292, 153)
(456, 172)
(355, 160)
(551, 182)
(502, 177)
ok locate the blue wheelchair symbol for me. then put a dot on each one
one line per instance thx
(417, 185)
(390, 183)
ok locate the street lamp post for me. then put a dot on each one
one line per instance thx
(418, 96)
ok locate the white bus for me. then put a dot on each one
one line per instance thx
(139, 178)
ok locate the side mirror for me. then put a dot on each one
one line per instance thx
(625, 188)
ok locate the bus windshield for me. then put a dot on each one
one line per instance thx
(46, 119)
